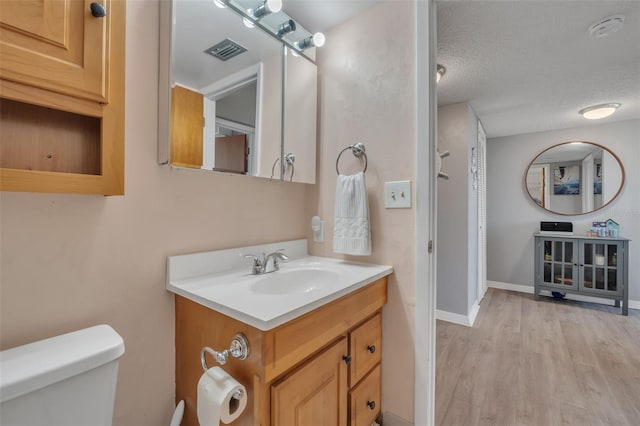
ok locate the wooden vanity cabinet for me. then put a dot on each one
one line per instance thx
(319, 366)
(62, 73)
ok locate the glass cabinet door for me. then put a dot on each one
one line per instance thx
(558, 263)
(600, 272)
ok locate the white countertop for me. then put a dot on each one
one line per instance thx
(268, 300)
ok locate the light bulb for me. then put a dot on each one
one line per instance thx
(440, 71)
(247, 23)
(318, 39)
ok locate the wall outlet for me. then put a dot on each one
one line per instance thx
(397, 195)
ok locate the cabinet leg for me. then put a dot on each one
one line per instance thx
(617, 304)
(625, 308)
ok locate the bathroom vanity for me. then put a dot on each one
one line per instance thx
(314, 333)
(589, 266)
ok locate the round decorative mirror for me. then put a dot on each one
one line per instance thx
(574, 178)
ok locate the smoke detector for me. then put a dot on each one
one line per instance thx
(606, 26)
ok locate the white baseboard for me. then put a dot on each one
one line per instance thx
(458, 318)
(474, 313)
(633, 304)
(390, 419)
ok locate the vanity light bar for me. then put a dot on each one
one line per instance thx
(256, 22)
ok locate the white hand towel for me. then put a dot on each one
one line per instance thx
(351, 231)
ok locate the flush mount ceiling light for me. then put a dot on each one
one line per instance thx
(265, 8)
(606, 26)
(440, 71)
(286, 27)
(316, 40)
(597, 112)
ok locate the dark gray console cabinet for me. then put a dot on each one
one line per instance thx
(590, 266)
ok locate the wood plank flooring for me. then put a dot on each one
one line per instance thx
(549, 362)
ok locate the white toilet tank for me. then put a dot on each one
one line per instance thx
(65, 380)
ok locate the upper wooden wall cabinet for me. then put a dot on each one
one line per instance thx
(62, 70)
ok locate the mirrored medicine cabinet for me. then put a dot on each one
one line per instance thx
(574, 178)
(235, 99)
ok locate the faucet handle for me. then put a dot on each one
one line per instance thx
(257, 263)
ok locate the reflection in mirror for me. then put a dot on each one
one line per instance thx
(574, 178)
(226, 92)
(300, 94)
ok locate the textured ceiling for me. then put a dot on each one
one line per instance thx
(529, 66)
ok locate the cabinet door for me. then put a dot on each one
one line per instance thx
(559, 267)
(316, 393)
(187, 121)
(56, 45)
(601, 273)
(364, 400)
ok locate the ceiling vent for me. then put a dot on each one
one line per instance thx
(225, 50)
(606, 26)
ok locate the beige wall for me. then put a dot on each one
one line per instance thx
(367, 86)
(69, 262)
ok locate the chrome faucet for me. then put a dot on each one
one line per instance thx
(260, 265)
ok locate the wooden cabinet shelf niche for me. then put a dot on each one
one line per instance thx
(324, 365)
(62, 73)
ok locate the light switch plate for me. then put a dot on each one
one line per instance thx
(397, 195)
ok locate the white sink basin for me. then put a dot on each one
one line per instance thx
(269, 300)
(294, 281)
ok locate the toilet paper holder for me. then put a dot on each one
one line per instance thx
(239, 348)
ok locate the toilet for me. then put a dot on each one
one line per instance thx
(64, 380)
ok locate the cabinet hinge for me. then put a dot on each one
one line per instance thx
(430, 246)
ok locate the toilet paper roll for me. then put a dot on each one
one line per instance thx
(217, 400)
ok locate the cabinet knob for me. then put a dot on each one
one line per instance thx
(98, 10)
(346, 359)
(371, 405)
(371, 348)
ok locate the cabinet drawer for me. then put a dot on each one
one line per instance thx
(364, 400)
(287, 345)
(365, 348)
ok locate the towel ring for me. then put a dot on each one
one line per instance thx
(358, 150)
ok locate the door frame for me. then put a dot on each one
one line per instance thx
(426, 198)
(481, 160)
